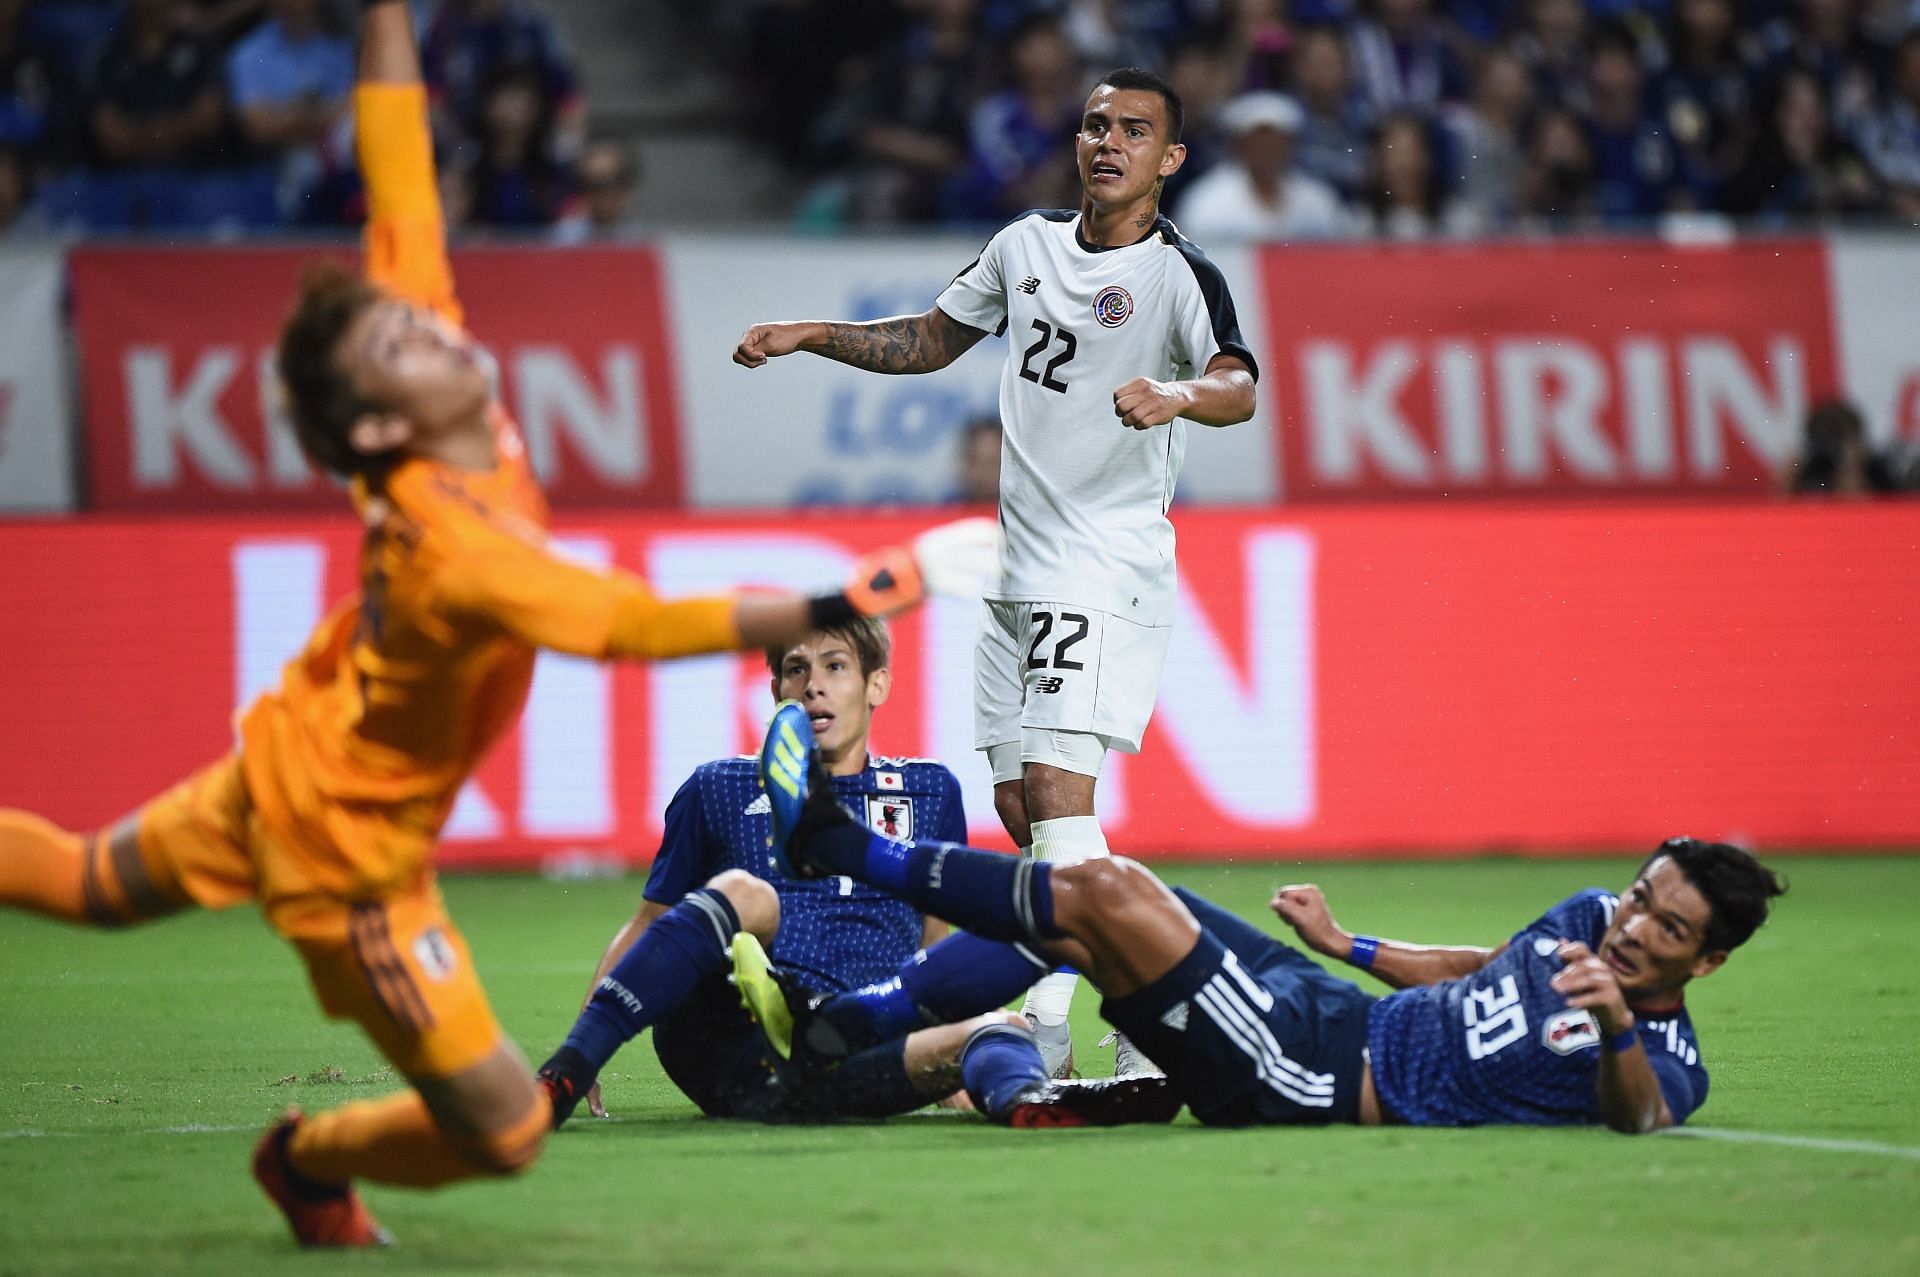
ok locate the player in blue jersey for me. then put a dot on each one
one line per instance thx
(712, 880)
(1578, 1018)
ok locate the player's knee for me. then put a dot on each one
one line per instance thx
(755, 903)
(1105, 887)
(1010, 805)
(507, 1153)
(511, 1149)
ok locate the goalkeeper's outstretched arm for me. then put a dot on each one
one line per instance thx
(406, 235)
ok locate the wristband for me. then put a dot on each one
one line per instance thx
(1624, 1040)
(830, 611)
(1364, 949)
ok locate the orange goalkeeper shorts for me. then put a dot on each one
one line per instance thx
(395, 963)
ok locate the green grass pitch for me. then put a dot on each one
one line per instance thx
(135, 1068)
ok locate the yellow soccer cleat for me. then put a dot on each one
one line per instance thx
(761, 993)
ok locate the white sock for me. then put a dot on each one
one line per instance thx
(1066, 840)
(1049, 998)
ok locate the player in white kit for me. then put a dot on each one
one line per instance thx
(1121, 331)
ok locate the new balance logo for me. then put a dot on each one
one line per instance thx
(1049, 685)
(1030, 285)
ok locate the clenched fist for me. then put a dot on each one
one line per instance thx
(768, 341)
(1144, 403)
(1303, 906)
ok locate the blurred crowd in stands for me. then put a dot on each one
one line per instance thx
(233, 115)
(1307, 119)
(1402, 119)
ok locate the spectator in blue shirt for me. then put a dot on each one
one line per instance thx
(1891, 137)
(1403, 59)
(1826, 37)
(1705, 96)
(155, 96)
(519, 180)
(905, 126)
(1336, 123)
(292, 82)
(1635, 167)
(162, 151)
(471, 44)
(1017, 161)
(1558, 192)
(1800, 167)
(1488, 145)
(1553, 44)
(36, 92)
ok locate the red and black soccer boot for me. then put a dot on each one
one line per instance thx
(318, 1214)
(1095, 1101)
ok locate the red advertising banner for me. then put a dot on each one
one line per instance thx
(1353, 681)
(182, 408)
(1577, 367)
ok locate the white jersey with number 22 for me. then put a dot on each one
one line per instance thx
(1083, 498)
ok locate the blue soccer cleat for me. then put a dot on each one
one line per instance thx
(799, 790)
(784, 753)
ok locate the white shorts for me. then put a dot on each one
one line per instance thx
(1043, 670)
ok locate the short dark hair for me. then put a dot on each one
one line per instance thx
(1737, 887)
(1146, 81)
(321, 397)
(866, 635)
(1614, 36)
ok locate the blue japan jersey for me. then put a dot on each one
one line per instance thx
(1500, 1046)
(835, 934)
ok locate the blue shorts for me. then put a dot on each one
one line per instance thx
(719, 1058)
(1251, 1031)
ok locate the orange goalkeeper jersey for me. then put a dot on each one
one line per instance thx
(354, 761)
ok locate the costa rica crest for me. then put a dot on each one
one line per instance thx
(1112, 306)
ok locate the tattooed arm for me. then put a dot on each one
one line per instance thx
(905, 343)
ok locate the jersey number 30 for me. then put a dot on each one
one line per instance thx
(1045, 376)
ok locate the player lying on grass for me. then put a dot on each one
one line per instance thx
(1578, 1018)
(329, 810)
(667, 968)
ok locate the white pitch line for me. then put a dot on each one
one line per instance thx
(192, 1128)
(1906, 1151)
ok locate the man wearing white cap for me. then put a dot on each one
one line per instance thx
(1256, 194)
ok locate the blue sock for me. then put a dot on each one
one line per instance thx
(682, 949)
(997, 896)
(999, 1064)
(964, 975)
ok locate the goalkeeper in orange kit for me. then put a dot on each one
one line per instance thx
(329, 810)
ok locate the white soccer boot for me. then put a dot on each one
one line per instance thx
(1128, 1059)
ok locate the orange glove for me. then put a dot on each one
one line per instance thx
(885, 581)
